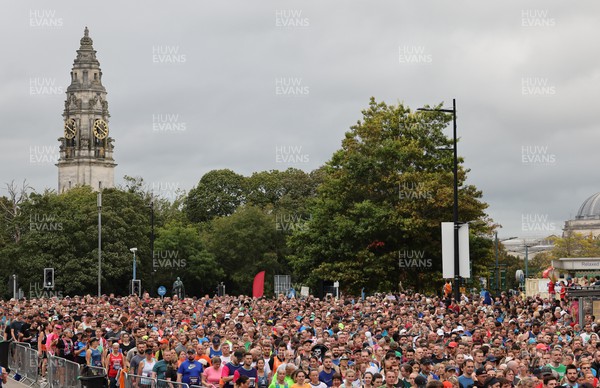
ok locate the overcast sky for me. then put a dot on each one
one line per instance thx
(201, 85)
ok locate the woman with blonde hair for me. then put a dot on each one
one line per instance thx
(454, 381)
(527, 382)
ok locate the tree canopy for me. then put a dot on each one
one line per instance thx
(368, 218)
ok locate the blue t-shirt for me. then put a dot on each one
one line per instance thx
(78, 346)
(465, 382)
(191, 372)
(327, 378)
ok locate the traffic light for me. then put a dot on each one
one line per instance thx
(49, 278)
(136, 287)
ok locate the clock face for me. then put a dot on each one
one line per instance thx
(70, 128)
(100, 129)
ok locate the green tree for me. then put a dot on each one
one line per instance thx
(179, 251)
(571, 245)
(219, 193)
(61, 231)
(385, 193)
(245, 243)
(575, 245)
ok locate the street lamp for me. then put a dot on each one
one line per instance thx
(152, 240)
(455, 205)
(537, 247)
(134, 250)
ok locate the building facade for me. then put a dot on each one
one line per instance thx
(86, 149)
(587, 220)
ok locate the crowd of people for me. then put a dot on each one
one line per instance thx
(396, 340)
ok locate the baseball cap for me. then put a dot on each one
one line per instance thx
(191, 351)
(480, 371)
(545, 370)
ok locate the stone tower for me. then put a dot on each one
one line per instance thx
(86, 150)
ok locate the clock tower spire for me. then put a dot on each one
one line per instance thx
(86, 149)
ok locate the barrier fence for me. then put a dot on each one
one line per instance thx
(62, 373)
(24, 362)
(89, 370)
(170, 384)
(136, 381)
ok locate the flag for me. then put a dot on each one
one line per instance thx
(258, 288)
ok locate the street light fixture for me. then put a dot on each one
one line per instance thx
(151, 206)
(455, 205)
(537, 247)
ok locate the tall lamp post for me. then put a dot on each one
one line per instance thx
(537, 246)
(134, 250)
(152, 241)
(455, 205)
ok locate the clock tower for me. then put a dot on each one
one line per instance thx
(86, 149)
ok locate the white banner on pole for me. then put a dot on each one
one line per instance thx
(448, 250)
(464, 257)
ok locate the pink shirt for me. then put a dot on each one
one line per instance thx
(49, 338)
(213, 376)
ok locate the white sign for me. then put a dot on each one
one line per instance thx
(464, 259)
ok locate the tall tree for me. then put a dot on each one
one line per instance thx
(218, 194)
(245, 243)
(384, 195)
(179, 252)
(61, 231)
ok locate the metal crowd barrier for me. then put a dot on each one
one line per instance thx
(92, 370)
(62, 373)
(24, 361)
(170, 384)
(136, 381)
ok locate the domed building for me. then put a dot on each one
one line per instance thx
(587, 220)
